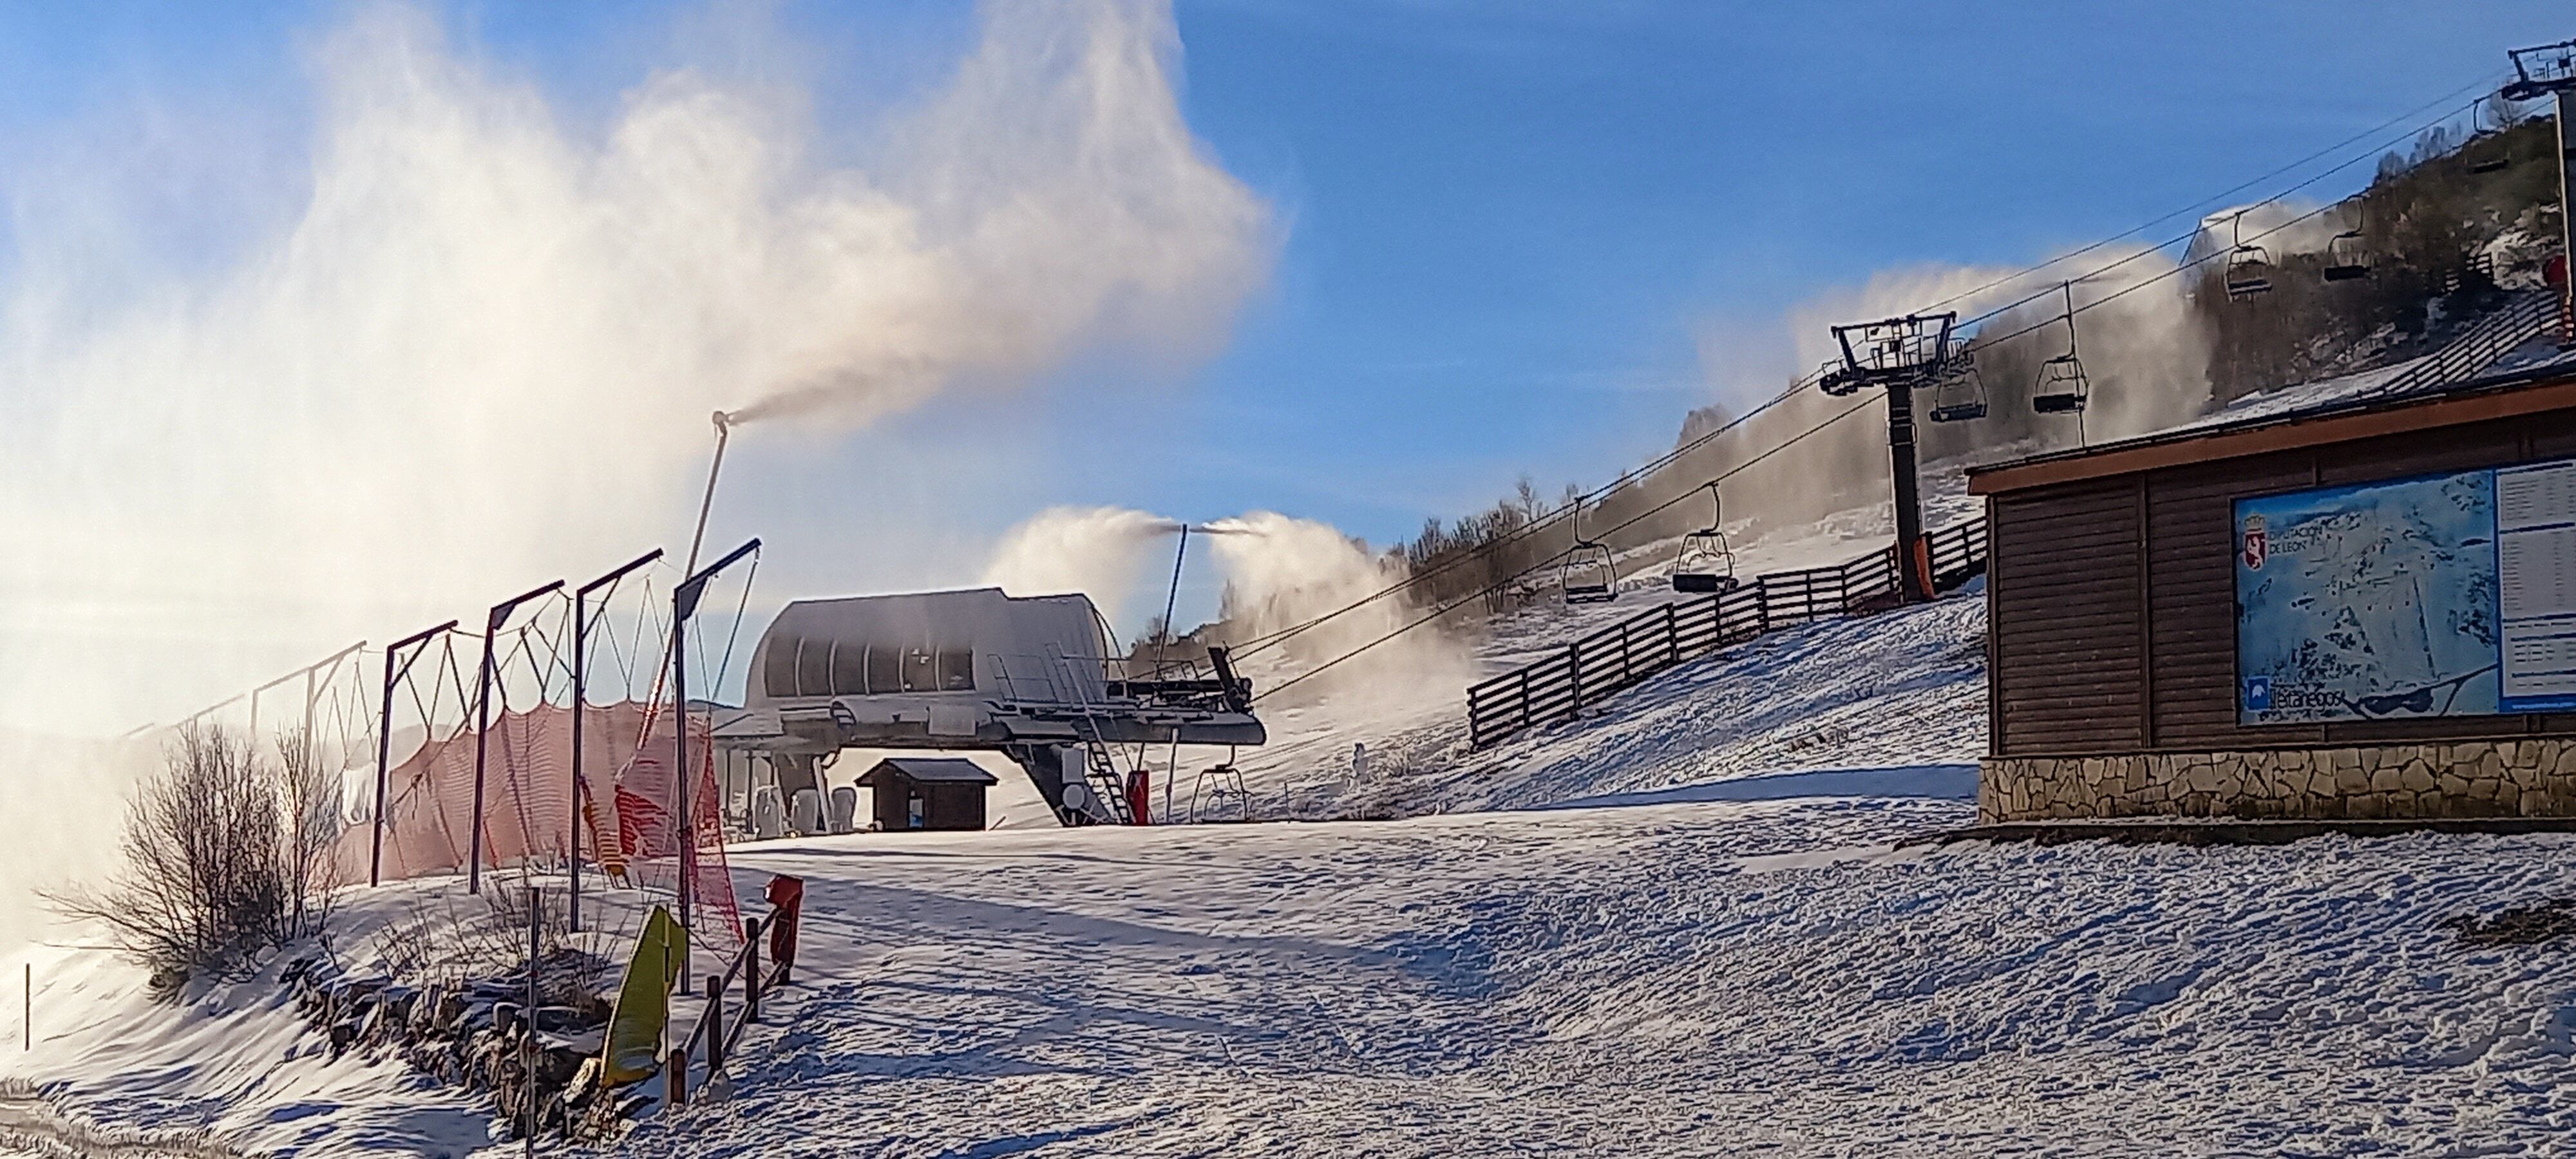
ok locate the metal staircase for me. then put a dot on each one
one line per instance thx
(1099, 767)
(1106, 781)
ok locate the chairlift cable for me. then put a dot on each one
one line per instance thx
(2440, 101)
(2196, 231)
(1268, 640)
(1562, 511)
(1498, 585)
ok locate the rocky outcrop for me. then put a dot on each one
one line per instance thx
(477, 1036)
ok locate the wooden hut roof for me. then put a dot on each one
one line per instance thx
(947, 769)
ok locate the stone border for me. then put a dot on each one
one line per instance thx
(2533, 777)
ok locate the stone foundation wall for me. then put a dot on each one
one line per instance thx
(2516, 778)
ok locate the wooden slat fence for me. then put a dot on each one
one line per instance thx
(2531, 314)
(1590, 670)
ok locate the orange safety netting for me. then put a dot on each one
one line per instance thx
(528, 806)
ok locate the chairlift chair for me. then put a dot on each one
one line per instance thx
(2249, 266)
(2249, 271)
(1706, 563)
(1588, 575)
(2346, 259)
(2062, 387)
(1960, 394)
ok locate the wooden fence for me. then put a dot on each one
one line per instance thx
(2529, 315)
(1596, 667)
(713, 1035)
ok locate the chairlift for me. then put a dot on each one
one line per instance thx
(2348, 253)
(2062, 387)
(1959, 394)
(2346, 258)
(2490, 158)
(1706, 563)
(1589, 575)
(2249, 266)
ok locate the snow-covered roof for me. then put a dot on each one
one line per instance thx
(949, 770)
(2538, 361)
(919, 643)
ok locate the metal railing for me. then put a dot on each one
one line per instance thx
(1596, 667)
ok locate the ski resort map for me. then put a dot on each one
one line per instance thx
(2450, 595)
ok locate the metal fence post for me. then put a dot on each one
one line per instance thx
(751, 970)
(715, 1024)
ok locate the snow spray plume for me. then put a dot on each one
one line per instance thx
(1011, 254)
(1100, 552)
(474, 348)
(363, 422)
(1280, 571)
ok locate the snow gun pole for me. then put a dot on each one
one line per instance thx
(724, 434)
(580, 673)
(684, 603)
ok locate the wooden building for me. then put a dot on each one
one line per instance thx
(2294, 615)
(928, 793)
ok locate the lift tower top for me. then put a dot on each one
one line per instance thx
(2550, 71)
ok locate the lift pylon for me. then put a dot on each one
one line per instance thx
(1898, 355)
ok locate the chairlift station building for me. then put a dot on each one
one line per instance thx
(2364, 608)
(1033, 678)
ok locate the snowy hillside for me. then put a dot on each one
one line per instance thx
(1906, 688)
(1900, 689)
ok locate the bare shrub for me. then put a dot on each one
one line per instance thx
(460, 941)
(223, 853)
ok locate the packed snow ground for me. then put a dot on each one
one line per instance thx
(1768, 975)
(1764, 978)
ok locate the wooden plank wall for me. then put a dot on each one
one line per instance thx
(2065, 617)
(2113, 601)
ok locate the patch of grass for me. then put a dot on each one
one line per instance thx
(2521, 926)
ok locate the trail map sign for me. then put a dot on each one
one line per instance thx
(2452, 595)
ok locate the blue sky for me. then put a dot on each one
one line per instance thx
(1507, 226)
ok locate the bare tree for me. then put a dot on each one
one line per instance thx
(222, 855)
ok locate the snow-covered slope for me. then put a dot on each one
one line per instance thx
(1768, 978)
(1903, 688)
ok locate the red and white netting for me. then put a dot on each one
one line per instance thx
(624, 821)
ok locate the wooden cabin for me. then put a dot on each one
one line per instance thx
(2362, 607)
(935, 793)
